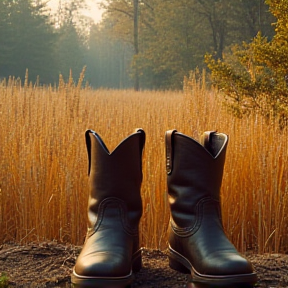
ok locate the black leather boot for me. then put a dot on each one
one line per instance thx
(111, 251)
(197, 242)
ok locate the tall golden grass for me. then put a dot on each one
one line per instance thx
(43, 180)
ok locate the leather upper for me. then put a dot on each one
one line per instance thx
(194, 183)
(114, 207)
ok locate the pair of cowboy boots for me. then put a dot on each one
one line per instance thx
(197, 242)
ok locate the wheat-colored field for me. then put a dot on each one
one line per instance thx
(43, 180)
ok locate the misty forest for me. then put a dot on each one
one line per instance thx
(145, 44)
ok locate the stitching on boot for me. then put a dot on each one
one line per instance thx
(123, 212)
(190, 230)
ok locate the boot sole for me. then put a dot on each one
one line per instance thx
(79, 281)
(181, 264)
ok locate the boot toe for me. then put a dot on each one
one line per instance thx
(227, 264)
(102, 265)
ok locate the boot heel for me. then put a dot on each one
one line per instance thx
(175, 263)
(137, 262)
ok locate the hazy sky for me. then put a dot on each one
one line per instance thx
(93, 10)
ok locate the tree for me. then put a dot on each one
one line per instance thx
(70, 47)
(27, 40)
(128, 12)
(6, 36)
(256, 79)
(256, 18)
(233, 21)
(168, 49)
(173, 36)
(158, 57)
(108, 59)
(216, 13)
(69, 51)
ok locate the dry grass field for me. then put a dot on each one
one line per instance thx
(43, 180)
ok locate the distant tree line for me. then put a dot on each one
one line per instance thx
(31, 39)
(254, 78)
(148, 44)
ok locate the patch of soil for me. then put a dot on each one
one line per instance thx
(50, 265)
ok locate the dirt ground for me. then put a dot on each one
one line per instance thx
(50, 265)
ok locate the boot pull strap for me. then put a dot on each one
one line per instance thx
(169, 150)
(206, 138)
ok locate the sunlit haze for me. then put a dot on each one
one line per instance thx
(92, 11)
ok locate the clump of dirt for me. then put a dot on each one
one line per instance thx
(50, 265)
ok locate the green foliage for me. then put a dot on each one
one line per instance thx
(175, 35)
(31, 40)
(255, 77)
(26, 40)
(4, 281)
(172, 38)
(108, 59)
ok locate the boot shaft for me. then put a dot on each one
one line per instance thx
(194, 172)
(197, 241)
(115, 175)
